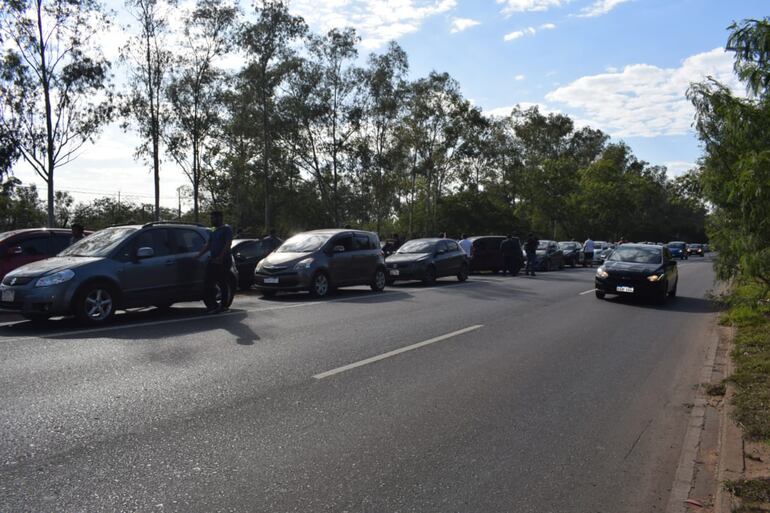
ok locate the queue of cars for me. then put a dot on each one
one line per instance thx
(158, 264)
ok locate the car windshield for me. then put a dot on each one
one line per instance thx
(303, 243)
(636, 255)
(676, 245)
(417, 246)
(567, 245)
(100, 243)
(543, 245)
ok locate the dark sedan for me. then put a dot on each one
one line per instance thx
(573, 252)
(247, 253)
(549, 256)
(426, 260)
(678, 249)
(638, 270)
(695, 249)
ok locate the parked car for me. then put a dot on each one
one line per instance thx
(678, 249)
(695, 249)
(600, 250)
(549, 256)
(573, 252)
(21, 247)
(485, 253)
(639, 270)
(247, 253)
(426, 260)
(321, 260)
(115, 268)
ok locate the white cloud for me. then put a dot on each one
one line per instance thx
(461, 24)
(512, 6)
(679, 167)
(376, 21)
(600, 8)
(644, 100)
(547, 26)
(519, 78)
(502, 112)
(516, 34)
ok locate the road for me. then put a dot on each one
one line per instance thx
(528, 395)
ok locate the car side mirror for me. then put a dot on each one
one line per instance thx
(144, 252)
(339, 249)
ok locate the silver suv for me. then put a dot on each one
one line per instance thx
(115, 268)
(322, 260)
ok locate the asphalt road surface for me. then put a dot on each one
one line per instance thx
(496, 395)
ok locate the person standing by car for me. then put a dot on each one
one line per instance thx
(511, 250)
(530, 247)
(588, 252)
(78, 232)
(272, 241)
(218, 247)
(465, 245)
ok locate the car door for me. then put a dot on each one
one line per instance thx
(365, 258)
(341, 263)
(672, 270)
(455, 256)
(58, 243)
(152, 280)
(26, 250)
(185, 244)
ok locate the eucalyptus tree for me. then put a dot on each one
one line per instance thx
(54, 82)
(150, 58)
(195, 89)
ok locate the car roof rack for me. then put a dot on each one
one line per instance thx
(156, 223)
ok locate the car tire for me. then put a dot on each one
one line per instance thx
(573, 264)
(211, 305)
(379, 281)
(561, 265)
(320, 286)
(662, 295)
(672, 293)
(389, 282)
(429, 278)
(599, 294)
(95, 303)
(495, 271)
(463, 274)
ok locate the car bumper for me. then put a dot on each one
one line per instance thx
(285, 281)
(641, 287)
(28, 299)
(406, 273)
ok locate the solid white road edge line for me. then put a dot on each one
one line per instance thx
(395, 352)
(586, 292)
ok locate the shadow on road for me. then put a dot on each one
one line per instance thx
(682, 304)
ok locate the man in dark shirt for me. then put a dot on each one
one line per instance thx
(78, 232)
(218, 247)
(531, 249)
(272, 242)
(511, 250)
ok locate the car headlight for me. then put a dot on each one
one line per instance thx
(303, 264)
(55, 278)
(655, 277)
(601, 273)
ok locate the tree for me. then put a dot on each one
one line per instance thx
(54, 81)
(195, 92)
(750, 41)
(150, 59)
(271, 58)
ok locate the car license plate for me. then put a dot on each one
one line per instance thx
(9, 295)
(394, 272)
(271, 280)
(623, 288)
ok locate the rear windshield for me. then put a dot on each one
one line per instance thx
(417, 246)
(303, 243)
(636, 255)
(99, 244)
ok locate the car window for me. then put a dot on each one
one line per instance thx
(186, 241)
(374, 242)
(480, 244)
(34, 246)
(155, 239)
(249, 250)
(361, 242)
(345, 241)
(59, 243)
(452, 246)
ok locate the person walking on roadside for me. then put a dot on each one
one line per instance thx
(588, 252)
(465, 245)
(531, 249)
(218, 247)
(511, 250)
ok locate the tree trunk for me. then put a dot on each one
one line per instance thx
(48, 115)
(266, 150)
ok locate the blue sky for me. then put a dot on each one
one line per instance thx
(619, 65)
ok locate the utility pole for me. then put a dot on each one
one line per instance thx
(179, 197)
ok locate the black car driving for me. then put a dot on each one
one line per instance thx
(426, 260)
(638, 270)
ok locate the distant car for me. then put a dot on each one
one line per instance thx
(321, 260)
(573, 252)
(638, 270)
(426, 260)
(695, 249)
(21, 247)
(549, 256)
(115, 268)
(485, 253)
(678, 249)
(247, 253)
(600, 250)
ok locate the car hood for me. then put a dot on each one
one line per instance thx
(284, 259)
(50, 265)
(630, 268)
(406, 257)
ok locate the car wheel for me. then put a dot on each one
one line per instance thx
(95, 303)
(599, 294)
(495, 271)
(389, 282)
(672, 293)
(379, 281)
(561, 264)
(463, 274)
(573, 264)
(663, 294)
(320, 287)
(430, 276)
(217, 302)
